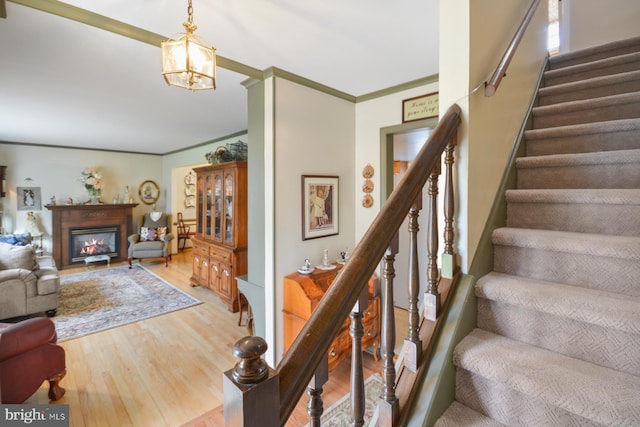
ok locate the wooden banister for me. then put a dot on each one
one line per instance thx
(491, 85)
(299, 363)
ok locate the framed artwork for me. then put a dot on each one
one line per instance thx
(149, 192)
(319, 206)
(29, 199)
(420, 107)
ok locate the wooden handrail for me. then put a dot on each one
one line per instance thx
(312, 343)
(491, 85)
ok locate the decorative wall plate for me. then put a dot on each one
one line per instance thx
(367, 186)
(190, 202)
(367, 172)
(367, 201)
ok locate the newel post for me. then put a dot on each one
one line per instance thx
(251, 388)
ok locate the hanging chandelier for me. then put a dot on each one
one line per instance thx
(188, 62)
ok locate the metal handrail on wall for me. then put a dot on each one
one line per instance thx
(491, 85)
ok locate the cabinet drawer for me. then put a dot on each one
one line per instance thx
(200, 250)
(372, 310)
(220, 254)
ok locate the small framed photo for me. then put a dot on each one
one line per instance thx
(29, 199)
(319, 206)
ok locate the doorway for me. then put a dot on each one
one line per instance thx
(400, 144)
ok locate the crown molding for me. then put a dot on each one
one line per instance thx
(102, 22)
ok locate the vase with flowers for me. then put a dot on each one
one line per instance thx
(92, 181)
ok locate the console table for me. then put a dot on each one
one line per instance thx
(302, 294)
(66, 217)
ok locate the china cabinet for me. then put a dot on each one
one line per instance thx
(302, 294)
(220, 241)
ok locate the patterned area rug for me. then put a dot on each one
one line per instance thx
(96, 300)
(339, 414)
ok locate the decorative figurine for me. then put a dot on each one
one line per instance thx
(53, 200)
(325, 258)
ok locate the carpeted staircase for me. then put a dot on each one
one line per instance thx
(558, 330)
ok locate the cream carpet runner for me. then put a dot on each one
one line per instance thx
(558, 335)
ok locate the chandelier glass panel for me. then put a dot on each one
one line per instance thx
(188, 62)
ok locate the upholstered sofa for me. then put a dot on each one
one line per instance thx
(28, 283)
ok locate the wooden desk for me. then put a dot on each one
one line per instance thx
(302, 294)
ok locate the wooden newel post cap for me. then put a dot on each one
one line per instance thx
(251, 368)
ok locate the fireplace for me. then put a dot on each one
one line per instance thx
(80, 231)
(86, 242)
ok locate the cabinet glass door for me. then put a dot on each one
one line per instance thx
(199, 205)
(218, 206)
(228, 207)
(207, 207)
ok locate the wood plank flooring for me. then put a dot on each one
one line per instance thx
(167, 370)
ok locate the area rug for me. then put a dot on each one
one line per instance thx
(339, 414)
(101, 299)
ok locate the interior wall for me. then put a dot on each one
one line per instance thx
(613, 19)
(313, 135)
(57, 171)
(489, 125)
(371, 117)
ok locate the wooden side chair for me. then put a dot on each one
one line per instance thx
(184, 231)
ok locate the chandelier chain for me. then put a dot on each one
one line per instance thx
(189, 25)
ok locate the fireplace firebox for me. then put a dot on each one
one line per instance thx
(86, 242)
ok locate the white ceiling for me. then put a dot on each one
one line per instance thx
(66, 83)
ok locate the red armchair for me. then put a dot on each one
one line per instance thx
(28, 356)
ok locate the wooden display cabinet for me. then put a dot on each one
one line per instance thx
(220, 242)
(302, 294)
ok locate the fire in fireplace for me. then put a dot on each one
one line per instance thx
(86, 242)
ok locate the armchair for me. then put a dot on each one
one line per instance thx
(153, 238)
(29, 355)
(28, 284)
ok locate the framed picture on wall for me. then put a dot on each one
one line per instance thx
(29, 198)
(319, 206)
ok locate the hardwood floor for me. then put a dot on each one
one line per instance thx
(166, 370)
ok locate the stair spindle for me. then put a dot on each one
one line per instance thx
(356, 330)
(432, 301)
(449, 264)
(315, 406)
(388, 403)
(413, 344)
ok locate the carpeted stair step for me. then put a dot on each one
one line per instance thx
(595, 53)
(458, 415)
(595, 261)
(591, 325)
(519, 384)
(605, 211)
(608, 169)
(601, 136)
(590, 88)
(614, 107)
(602, 67)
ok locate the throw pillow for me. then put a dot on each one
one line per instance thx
(148, 234)
(18, 257)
